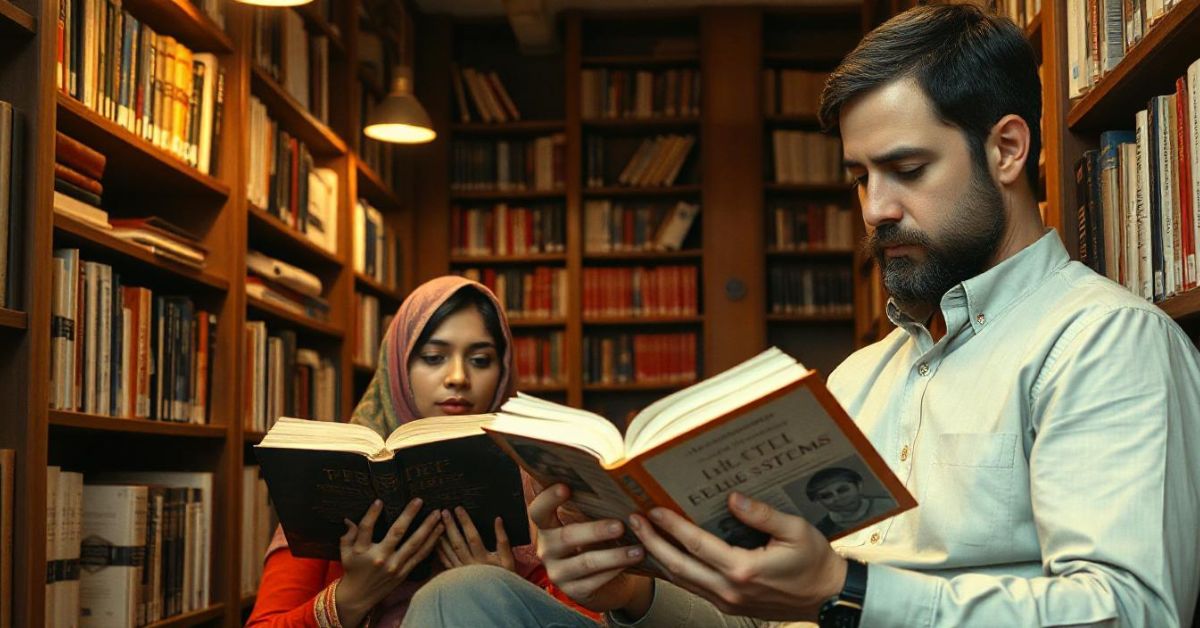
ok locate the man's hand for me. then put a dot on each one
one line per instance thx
(788, 579)
(577, 562)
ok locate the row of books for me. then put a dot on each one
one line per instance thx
(482, 165)
(119, 350)
(810, 289)
(641, 291)
(642, 358)
(657, 162)
(258, 524)
(147, 82)
(806, 157)
(283, 379)
(806, 226)
(525, 293)
(126, 548)
(792, 92)
(1100, 32)
(1139, 196)
(539, 359)
(370, 326)
(640, 93)
(285, 181)
(488, 97)
(1022, 12)
(610, 226)
(12, 161)
(297, 60)
(507, 230)
(376, 246)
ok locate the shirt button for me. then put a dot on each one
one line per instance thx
(904, 453)
(874, 538)
(923, 369)
(981, 319)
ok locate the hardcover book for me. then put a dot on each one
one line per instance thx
(767, 428)
(321, 473)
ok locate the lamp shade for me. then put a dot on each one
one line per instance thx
(400, 118)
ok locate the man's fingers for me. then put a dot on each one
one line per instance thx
(502, 545)
(588, 564)
(474, 541)
(584, 589)
(366, 527)
(683, 566)
(761, 516)
(566, 541)
(400, 526)
(543, 510)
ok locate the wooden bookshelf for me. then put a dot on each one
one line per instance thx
(506, 195)
(272, 234)
(644, 256)
(193, 618)
(1033, 32)
(319, 138)
(134, 163)
(371, 286)
(631, 321)
(182, 20)
(667, 191)
(371, 186)
(533, 258)
(638, 61)
(282, 316)
(1182, 307)
(534, 323)
(542, 389)
(253, 438)
(98, 423)
(656, 123)
(800, 319)
(809, 188)
(519, 127)
(15, 21)
(13, 319)
(814, 253)
(315, 21)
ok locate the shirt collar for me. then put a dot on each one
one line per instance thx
(986, 297)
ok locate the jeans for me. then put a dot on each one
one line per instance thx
(484, 595)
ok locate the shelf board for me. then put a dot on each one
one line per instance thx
(531, 322)
(519, 127)
(296, 120)
(371, 186)
(844, 317)
(640, 256)
(317, 22)
(809, 57)
(535, 258)
(503, 195)
(134, 163)
(813, 253)
(192, 618)
(98, 423)
(270, 231)
(376, 288)
(636, 386)
(13, 319)
(808, 188)
(1149, 68)
(292, 319)
(98, 241)
(672, 190)
(16, 19)
(184, 21)
(1182, 306)
(687, 58)
(643, 320)
(655, 123)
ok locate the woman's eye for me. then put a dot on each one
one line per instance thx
(481, 361)
(433, 359)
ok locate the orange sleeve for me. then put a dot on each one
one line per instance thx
(539, 577)
(289, 588)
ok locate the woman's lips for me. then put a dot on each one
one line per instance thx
(455, 407)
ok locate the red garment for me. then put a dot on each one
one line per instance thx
(290, 585)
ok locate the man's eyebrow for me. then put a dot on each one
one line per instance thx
(894, 155)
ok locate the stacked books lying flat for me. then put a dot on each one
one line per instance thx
(287, 286)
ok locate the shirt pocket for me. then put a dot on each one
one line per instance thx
(972, 487)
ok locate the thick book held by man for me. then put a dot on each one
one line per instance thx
(767, 428)
(321, 473)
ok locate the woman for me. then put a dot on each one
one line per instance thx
(447, 351)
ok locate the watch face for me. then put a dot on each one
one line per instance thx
(838, 613)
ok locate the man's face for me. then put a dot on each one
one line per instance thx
(934, 218)
(841, 496)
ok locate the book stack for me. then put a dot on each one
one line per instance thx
(489, 99)
(285, 379)
(807, 157)
(807, 226)
(809, 290)
(525, 293)
(503, 229)
(640, 93)
(641, 291)
(11, 164)
(376, 247)
(648, 226)
(161, 237)
(642, 358)
(792, 92)
(148, 83)
(486, 165)
(656, 162)
(78, 172)
(539, 359)
(119, 350)
(285, 285)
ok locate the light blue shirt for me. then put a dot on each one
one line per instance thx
(1052, 441)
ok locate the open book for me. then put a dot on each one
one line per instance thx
(320, 473)
(767, 427)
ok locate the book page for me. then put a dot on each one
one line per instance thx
(778, 452)
(288, 433)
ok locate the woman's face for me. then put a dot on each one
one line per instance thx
(458, 369)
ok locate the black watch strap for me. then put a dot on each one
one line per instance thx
(845, 609)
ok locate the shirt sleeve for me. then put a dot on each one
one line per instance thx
(673, 606)
(288, 591)
(1113, 489)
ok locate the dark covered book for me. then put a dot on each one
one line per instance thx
(320, 473)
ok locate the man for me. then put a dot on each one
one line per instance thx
(839, 490)
(1050, 435)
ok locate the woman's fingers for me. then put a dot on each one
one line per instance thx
(417, 540)
(443, 558)
(366, 527)
(474, 542)
(400, 526)
(424, 550)
(443, 548)
(503, 547)
(454, 536)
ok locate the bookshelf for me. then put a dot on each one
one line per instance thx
(143, 179)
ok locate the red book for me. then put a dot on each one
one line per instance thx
(73, 176)
(76, 154)
(1187, 218)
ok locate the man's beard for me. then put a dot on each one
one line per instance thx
(967, 243)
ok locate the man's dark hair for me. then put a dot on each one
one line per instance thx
(975, 68)
(463, 298)
(824, 477)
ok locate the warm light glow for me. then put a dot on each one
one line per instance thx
(399, 133)
(275, 3)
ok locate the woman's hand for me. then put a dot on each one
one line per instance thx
(373, 570)
(457, 548)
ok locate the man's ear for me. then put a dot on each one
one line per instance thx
(1008, 148)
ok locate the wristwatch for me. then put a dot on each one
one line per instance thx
(844, 610)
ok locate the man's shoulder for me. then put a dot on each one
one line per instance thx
(1081, 296)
